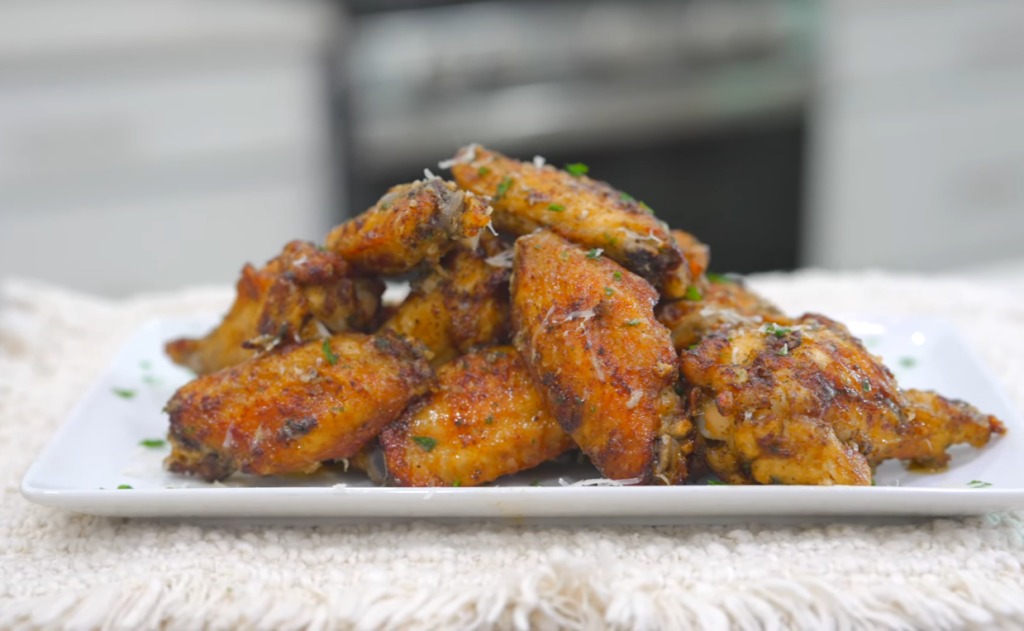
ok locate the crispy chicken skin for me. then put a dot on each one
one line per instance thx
(461, 305)
(587, 212)
(286, 301)
(485, 420)
(943, 423)
(287, 410)
(607, 368)
(411, 224)
(808, 404)
(724, 304)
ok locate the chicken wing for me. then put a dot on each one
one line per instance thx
(294, 297)
(412, 224)
(461, 305)
(807, 404)
(526, 197)
(724, 304)
(287, 410)
(485, 420)
(607, 368)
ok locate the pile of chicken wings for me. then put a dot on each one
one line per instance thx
(548, 312)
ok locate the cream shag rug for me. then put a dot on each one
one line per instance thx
(59, 570)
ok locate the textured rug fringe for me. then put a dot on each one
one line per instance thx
(568, 593)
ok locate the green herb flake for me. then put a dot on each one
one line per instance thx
(332, 359)
(482, 171)
(692, 346)
(595, 253)
(776, 480)
(489, 420)
(556, 208)
(608, 291)
(503, 187)
(535, 483)
(626, 197)
(617, 276)
(908, 362)
(124, 393)
(145, 365)
(782, 352)
(633, 322)
(646, 208)
(577, 169)
(153, 443)
(778, 331)
(457, 482)
(124, 486)
(338, 409)
(978, 484)
(150, 380)
(873, 482)
(610, 239)
(692, 293)
(720, 279)
(323, 248)
(565, 254)
(426, 442)
(716, 483)
(865, 386)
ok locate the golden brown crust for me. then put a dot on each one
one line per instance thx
(724, 305)
(461, 305)
(485, 420)
(607, 368)
(585, 211)
(411, 224)
(807, 404)
(288, 410)
(287, 301)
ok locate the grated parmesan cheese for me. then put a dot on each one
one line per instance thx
(600, 482)
(634, 398)
(502, 259)
(539, 162)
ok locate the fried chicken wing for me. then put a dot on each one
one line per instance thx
(526, 197)
(485, 420)
(287, 410)
(807, 404)
(411, 224)
(607, 368)
(462, 304)
(724, 305)
(294, 297)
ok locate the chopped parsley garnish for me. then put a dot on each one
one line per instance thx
(535, 483)
(145, 365)
(908, 362)
(426, 442)
(482, 171)
(457, 482)
(719, 278)
(323, 248)
(776, 480)
(332, 359)
(978, 484)
(489, 420)
(778, 331)
(633, 322)
(610, 239)
(617, 276)
(646, 208)
(865, 386)
(692, 346)
(577, 169)
(873, 482)
(608, 291)
(626, 197)
(692, 293)
(338, 409)
(153, 443)
(716, 483)
(124, 393)
(503, 187)
(150, 380)
(556, 208)
(124, 486)
(565, 254)
(594, 253)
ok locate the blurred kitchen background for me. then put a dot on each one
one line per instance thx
(147, 145)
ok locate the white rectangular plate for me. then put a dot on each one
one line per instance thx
(98, 449)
